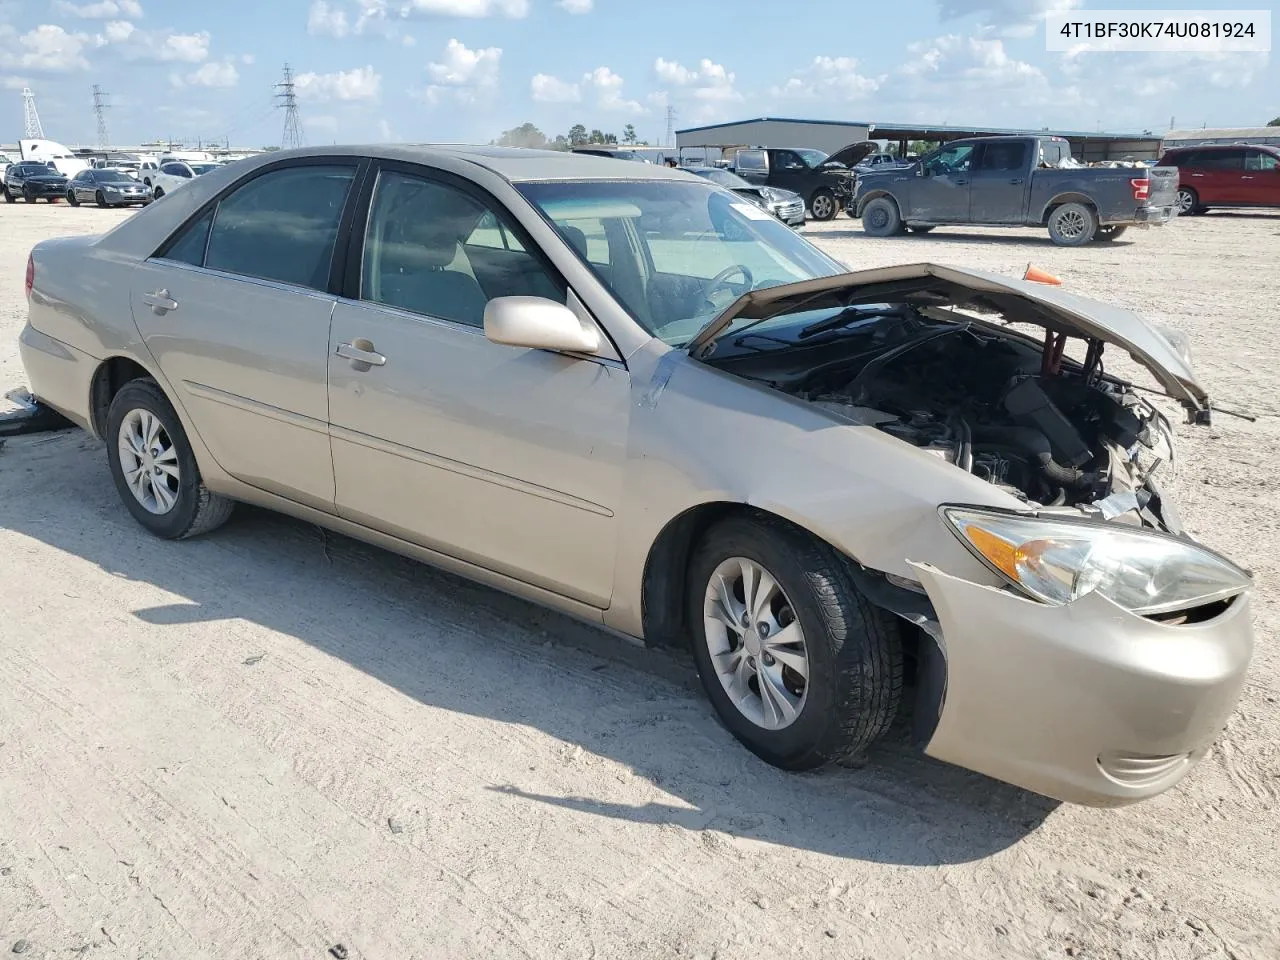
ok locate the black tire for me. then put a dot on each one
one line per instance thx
(72, 198)
(881, 218)
(1110, 233)
(855, 654)
(158, 194)
(8, 197)
(1072, 225)
(823, 204)
(196, 510)
(101, 199)
(920, 230)
(1188, 202)
(28, 196)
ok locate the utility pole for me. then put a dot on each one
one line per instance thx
(100, 107)
(288, 97)
(30, 118)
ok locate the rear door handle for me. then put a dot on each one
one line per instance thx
(361, 354)
(1197, 174)
(1016, 180)
(1246, 178)
(160, 301)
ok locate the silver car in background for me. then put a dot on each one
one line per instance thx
(107, 188)
(625, 393)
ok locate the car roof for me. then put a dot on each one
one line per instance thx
(515, 164)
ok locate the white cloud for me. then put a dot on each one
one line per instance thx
(158, 46)
(548, 89)
(709, 82)
(246, 58)
(362, 83)
(215, 74)
(829, 78)
(47, 48)
(974, 61)
(118, 31)
(474, 9)
(325, 20)
(1010, 18)
(101, 10)
(464, 73)
(608, 91)
(575, 6)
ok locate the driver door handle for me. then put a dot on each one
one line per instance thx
(160, 301)
(361, 354)
(1016, 180)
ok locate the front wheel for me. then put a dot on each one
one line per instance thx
(822, 205)
(153, 467)
(1072, 225)
(28, 196)
(101, 198)
(881, 218)
(8, 197)
(1110, 233)
(798, 665)
(158, 194)
(72, 198)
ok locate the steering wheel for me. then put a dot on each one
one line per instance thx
(721, 280)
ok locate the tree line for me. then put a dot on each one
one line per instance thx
(528, 135)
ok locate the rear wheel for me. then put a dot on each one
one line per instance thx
(880, 217)
(1072, 225)
(153, 467)
(822, 205)
(1110, 233)
(799, 666)
(1188, 202)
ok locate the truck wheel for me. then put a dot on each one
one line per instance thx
(1188, 202)
(823, 205)
(800, 667)
(1110, 233)
(1072, 225)
(880, 218)
(922, 230)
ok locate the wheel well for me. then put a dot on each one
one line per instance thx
(1057, 202)
(862, 203)
(110, 376)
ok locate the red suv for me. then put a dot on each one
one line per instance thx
(1240, 175)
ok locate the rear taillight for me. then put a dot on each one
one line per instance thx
(1141, 188)
(31, 275)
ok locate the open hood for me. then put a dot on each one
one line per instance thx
(853, 154)
(1020, 301)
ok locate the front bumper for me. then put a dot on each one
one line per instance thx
(116, 196)
(42, 189)
(791, 213)
(1085, 703)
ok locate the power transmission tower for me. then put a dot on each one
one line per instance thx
(671, 126)
(30, 118)
(288, 97)
(100, 108)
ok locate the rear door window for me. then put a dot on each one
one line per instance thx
(1222, 160)
(1003, 156)
(282, 225)
(1260, 160)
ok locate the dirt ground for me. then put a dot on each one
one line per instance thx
(268, 742)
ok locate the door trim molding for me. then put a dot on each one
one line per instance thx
(214, 395)
(466, 470)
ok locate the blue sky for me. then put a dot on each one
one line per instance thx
(464, 70)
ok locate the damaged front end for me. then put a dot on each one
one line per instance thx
(926, 355)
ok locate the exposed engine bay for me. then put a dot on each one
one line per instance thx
(996, 403)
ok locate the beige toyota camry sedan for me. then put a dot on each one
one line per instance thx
(621, 391)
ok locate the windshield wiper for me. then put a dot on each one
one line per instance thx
(846, 316)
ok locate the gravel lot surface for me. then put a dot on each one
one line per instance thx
(269, 742)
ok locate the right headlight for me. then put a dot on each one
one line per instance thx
(1057, 561)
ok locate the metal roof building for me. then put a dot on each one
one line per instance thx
(831, 135)
(1194, 138)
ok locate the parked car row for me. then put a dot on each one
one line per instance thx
(30, 181)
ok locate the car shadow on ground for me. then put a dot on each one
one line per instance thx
(462, 647)
(1015, 237)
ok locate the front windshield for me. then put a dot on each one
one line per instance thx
(114, 176)
(675, 254)
(725, 179)
(814, 158)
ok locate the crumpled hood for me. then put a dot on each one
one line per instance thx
(1050, 307)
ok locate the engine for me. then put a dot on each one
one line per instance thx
(996, 407)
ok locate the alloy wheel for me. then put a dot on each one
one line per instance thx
(1186, 202)
(1072, 225)
(756, 643)
(149, 461)
(823, 207)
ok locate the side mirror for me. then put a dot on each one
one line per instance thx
(538, 324)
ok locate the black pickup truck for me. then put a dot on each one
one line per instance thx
(1014, 181)
(824, 181)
